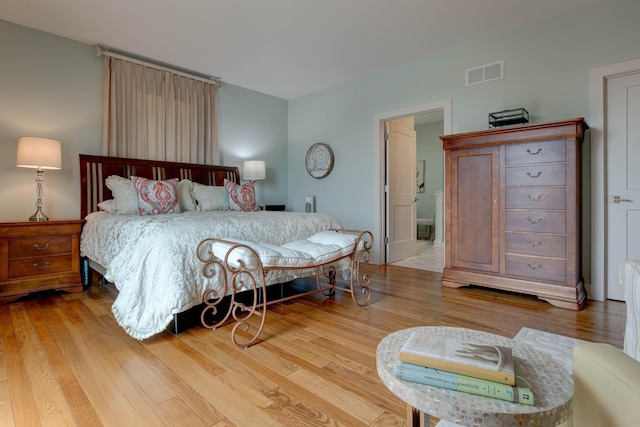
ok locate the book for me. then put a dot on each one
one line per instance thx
(485, 361)
(519, 393)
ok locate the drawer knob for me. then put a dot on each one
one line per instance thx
(532, 153)
(43, 248)
(41, 267)
(534, 243)
(535, 197)
(534, 176)
(535, 220)
(534, 267)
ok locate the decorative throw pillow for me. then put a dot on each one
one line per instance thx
(124, 194)
(210, 198)
(156, 197)
(241, 197)
(185, 196)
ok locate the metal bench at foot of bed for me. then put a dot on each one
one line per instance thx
(245, 265)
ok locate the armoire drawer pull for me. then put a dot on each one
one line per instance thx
(534, 176)
(534, 267)
(41, 267)
(535, 197)
(535, 220)
(535, 243)
(532, 153)
(38, 248)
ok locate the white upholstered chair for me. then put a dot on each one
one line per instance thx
(630, 280)
(606, 379)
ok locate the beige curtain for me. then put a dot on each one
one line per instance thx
(157, 115)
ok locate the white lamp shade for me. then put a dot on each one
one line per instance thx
(254, 169)
(40, 153)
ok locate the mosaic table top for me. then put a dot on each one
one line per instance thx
(551, 383)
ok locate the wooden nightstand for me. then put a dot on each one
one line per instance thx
(37, 256)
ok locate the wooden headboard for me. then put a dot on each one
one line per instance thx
(94, 170)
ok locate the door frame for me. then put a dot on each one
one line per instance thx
(597, 289)
(380, 199)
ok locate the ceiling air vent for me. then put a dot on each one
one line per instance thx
(485, 73)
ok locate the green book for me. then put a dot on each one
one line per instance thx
(520, 393)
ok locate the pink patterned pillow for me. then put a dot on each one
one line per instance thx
(241, 197)
(156, 197)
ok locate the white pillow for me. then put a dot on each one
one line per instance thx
(210, 198)
(185, 196)
(124, 193)
(108, 205)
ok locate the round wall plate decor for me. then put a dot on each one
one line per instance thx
(319, 160)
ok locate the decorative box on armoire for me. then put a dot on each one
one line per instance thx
(513, 210)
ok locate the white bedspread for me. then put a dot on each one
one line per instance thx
(152, 260)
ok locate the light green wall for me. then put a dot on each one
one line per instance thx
(253, 126)
(546, 71)
(429, 149)
(49, 87)
(52, 87)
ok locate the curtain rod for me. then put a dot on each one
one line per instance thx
(101, 51)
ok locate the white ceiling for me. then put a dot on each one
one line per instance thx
(285, 48)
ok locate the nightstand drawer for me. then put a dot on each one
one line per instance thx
(39, 266)
(39, 246)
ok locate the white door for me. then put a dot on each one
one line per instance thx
(401, 193)
(623, 172)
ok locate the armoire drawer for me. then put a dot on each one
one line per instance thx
(536, 198)
(39, 246)
(550, 245)
(536, 152)
(536, 175)
(536, 268)
(536, 221)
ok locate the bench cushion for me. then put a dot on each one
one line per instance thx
(318, 249)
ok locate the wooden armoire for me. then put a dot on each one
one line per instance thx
(513, 210)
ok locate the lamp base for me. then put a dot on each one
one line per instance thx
(39, 216)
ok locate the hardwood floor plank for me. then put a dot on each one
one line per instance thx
(6, 410)
(227, 401)
(23, 405)
(88, 361)
(49, 399)
(313, 365)
(289, 410)
(184, 392)
(357, 406)
(79, 404)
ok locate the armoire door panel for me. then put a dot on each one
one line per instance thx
(476, 216)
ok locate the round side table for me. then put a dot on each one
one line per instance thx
(552, 385)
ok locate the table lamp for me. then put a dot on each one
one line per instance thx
(254, 170)
(40, 154)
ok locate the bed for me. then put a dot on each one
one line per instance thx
(151, 259)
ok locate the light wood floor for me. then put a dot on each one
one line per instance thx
(65, 361)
